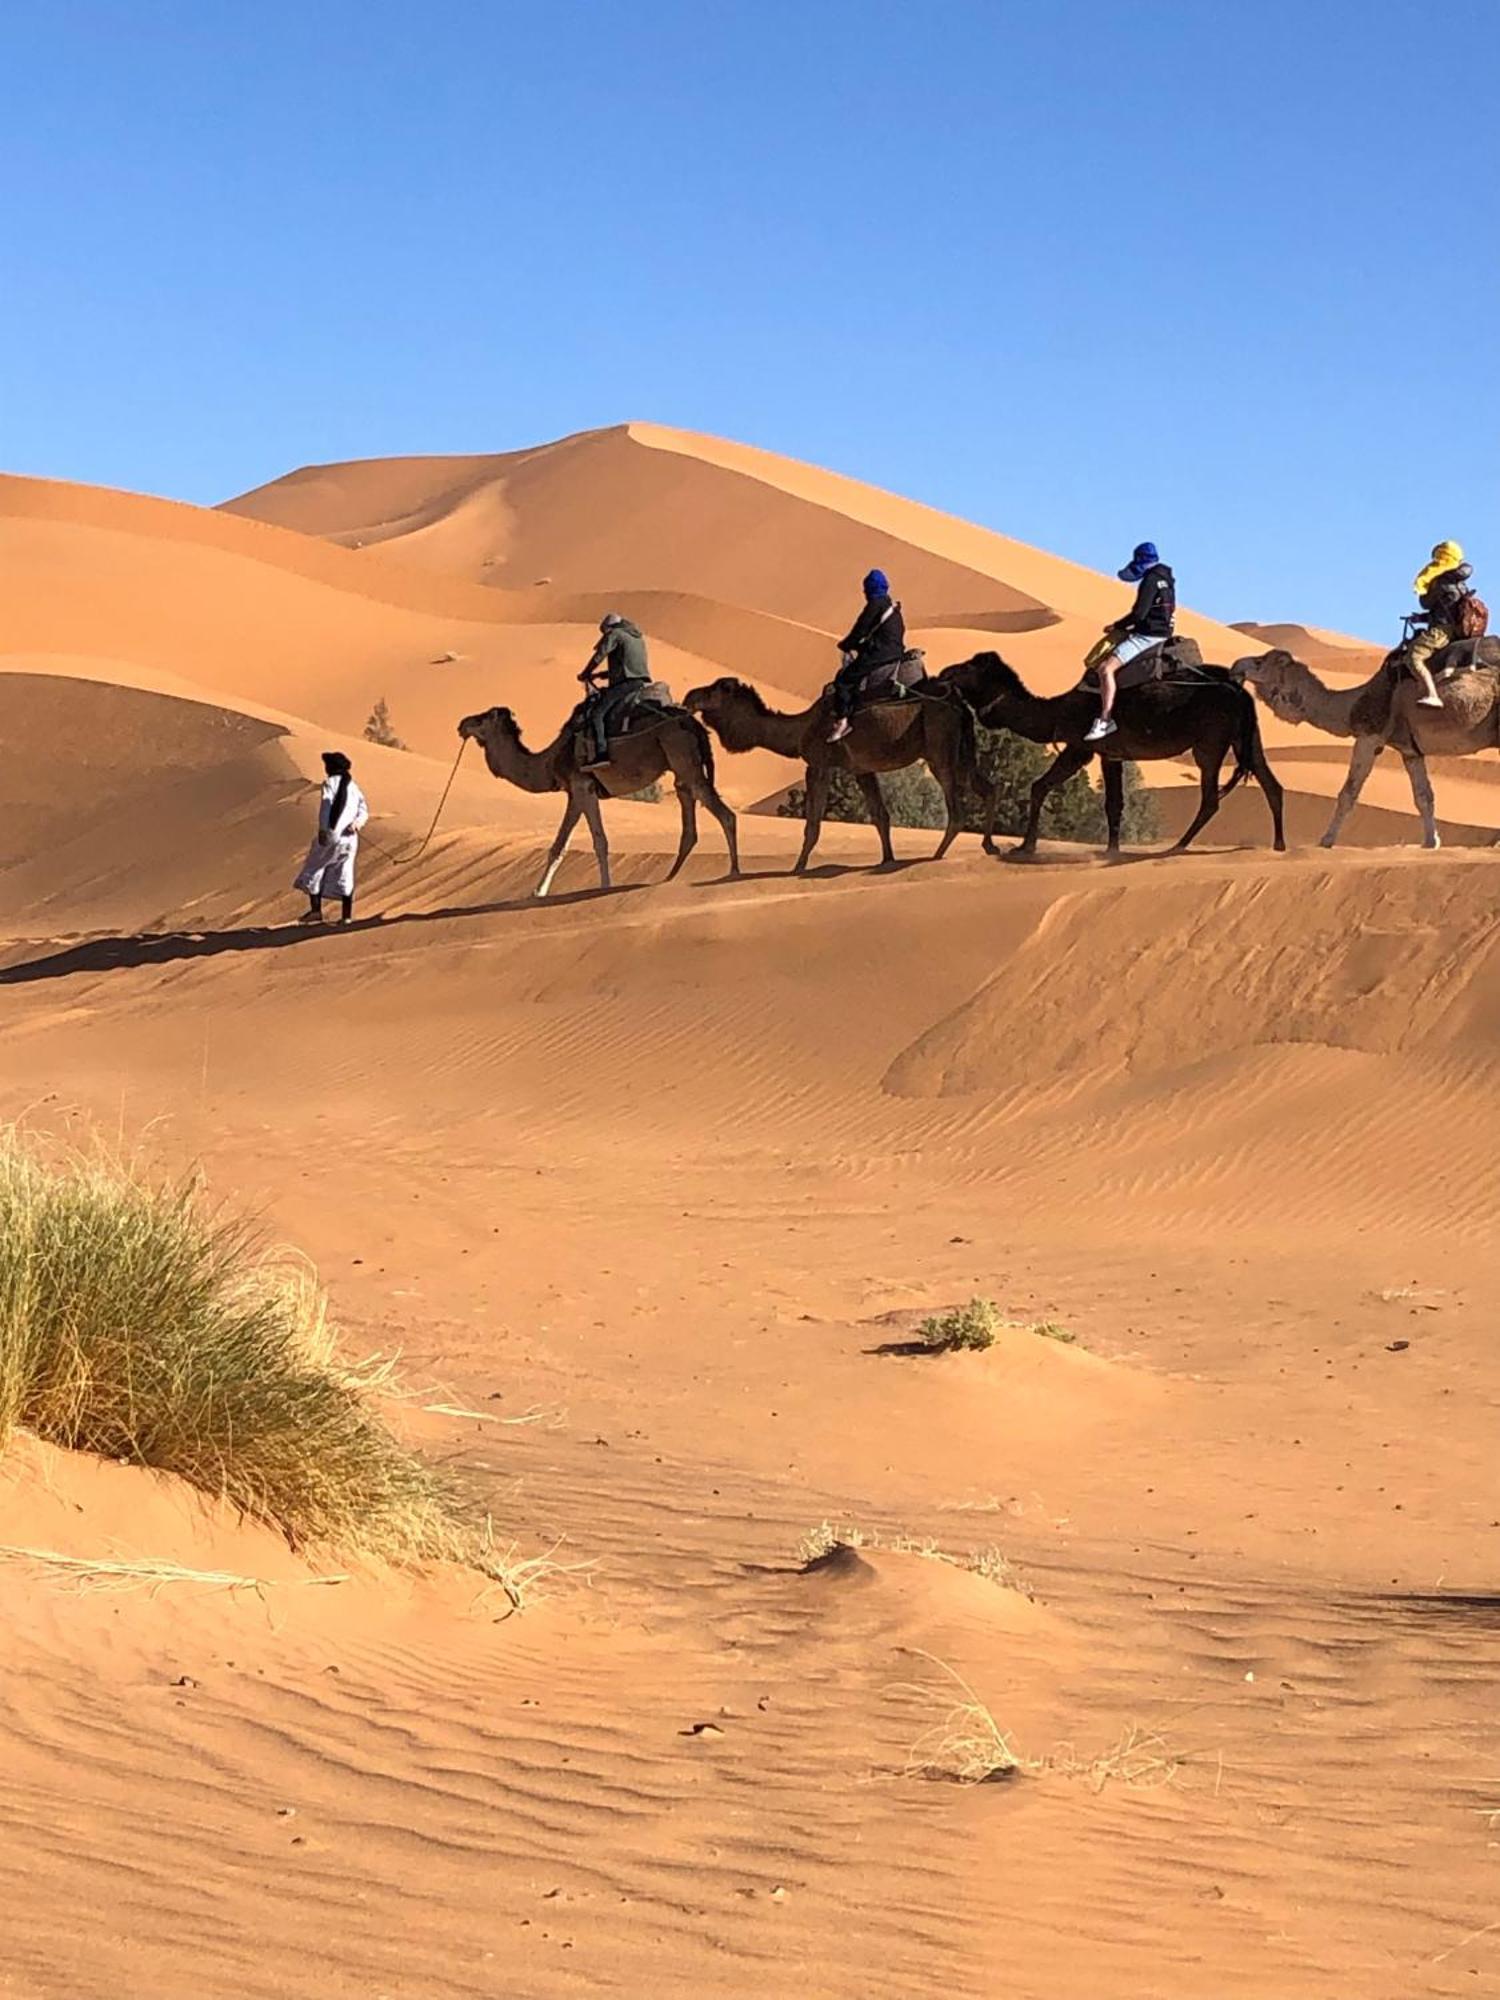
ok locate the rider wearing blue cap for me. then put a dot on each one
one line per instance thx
(1147, 623)
(877, 638)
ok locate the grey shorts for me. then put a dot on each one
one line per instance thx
(1138, 643)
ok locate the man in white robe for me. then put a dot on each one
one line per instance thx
(329, 867)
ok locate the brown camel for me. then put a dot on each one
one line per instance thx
(676, 743)
(1202, 718)
(1384, 710)
(936, 728)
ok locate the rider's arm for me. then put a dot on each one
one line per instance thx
(861, 629)
(1145, 597)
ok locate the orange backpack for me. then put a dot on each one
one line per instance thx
(1471, 617)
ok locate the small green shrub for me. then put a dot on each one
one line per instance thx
(379, 729)
(1048, 1329)
(913, 797)
(972, 1326)
(140, 1324)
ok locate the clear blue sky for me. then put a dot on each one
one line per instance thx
(1084, 270)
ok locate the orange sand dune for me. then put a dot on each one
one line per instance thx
(752, 559)
(1330, 654)
(644, 507)
(653, 1193)
(673, 1175)
(183, 597)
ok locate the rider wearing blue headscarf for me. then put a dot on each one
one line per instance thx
(877, 638)
(1147, 623)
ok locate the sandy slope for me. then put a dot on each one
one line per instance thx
(674, 1173)
(670, 1177)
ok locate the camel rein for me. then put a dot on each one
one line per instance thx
(403, 860)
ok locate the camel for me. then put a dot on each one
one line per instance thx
(936, 728)
(1385, 710)
(1157, 719)
(676, 743)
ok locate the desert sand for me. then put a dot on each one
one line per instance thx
(650, 1191)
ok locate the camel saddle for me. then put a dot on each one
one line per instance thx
(648, 702)
(1178, 661)
(1463, 657)
(896, 680)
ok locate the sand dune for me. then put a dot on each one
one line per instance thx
(653, 1192)
(704, 542)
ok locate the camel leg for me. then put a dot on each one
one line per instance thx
(816, 799)
(1114, 802)
(687, 805)
(880, 818)
(1209, 766)
(1062, 767)
(724, 814)
(1270, 784)
(950, 777)
(559, 846)
(1361, 764)
(595, 820)
(991, 812)
(1426, 804)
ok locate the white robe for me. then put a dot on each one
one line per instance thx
(329, 867)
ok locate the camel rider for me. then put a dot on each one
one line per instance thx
(1440, 588)
(877, 638)
(620, 657)
(1147, 623)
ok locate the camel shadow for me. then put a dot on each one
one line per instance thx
(148, 948)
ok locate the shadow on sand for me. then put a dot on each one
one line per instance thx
(117, 954)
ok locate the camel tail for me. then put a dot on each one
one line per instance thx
(1247, 750)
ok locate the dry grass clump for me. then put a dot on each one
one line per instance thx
(987, 1562)
(968, 1747)
(972, 1326)
(138, 1323)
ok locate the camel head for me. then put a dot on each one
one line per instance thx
(1279, 680)
(710, 702)
(984, 681)
(730, 707)
(490, 724)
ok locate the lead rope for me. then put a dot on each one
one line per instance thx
(403, 860)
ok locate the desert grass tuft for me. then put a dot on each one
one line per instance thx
(987, 1562)
(140, 1323)
(977, 1325)
(967, 1746)
(972, 1326)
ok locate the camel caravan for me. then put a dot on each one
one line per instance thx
(1145, 694)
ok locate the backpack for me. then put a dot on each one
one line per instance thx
(1471, 617)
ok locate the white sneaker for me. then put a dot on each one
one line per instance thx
(839, 730)
(1098, 730)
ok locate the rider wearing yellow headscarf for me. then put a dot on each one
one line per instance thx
(1438, 584)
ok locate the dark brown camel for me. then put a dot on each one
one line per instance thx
(935, 728)
(677, 743)
(1206, 719)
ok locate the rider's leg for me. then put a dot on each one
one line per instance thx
(1106, 669)
(1418, 657)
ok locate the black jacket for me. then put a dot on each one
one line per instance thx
(1155, 605)
(1441, 597)
(875, 638)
